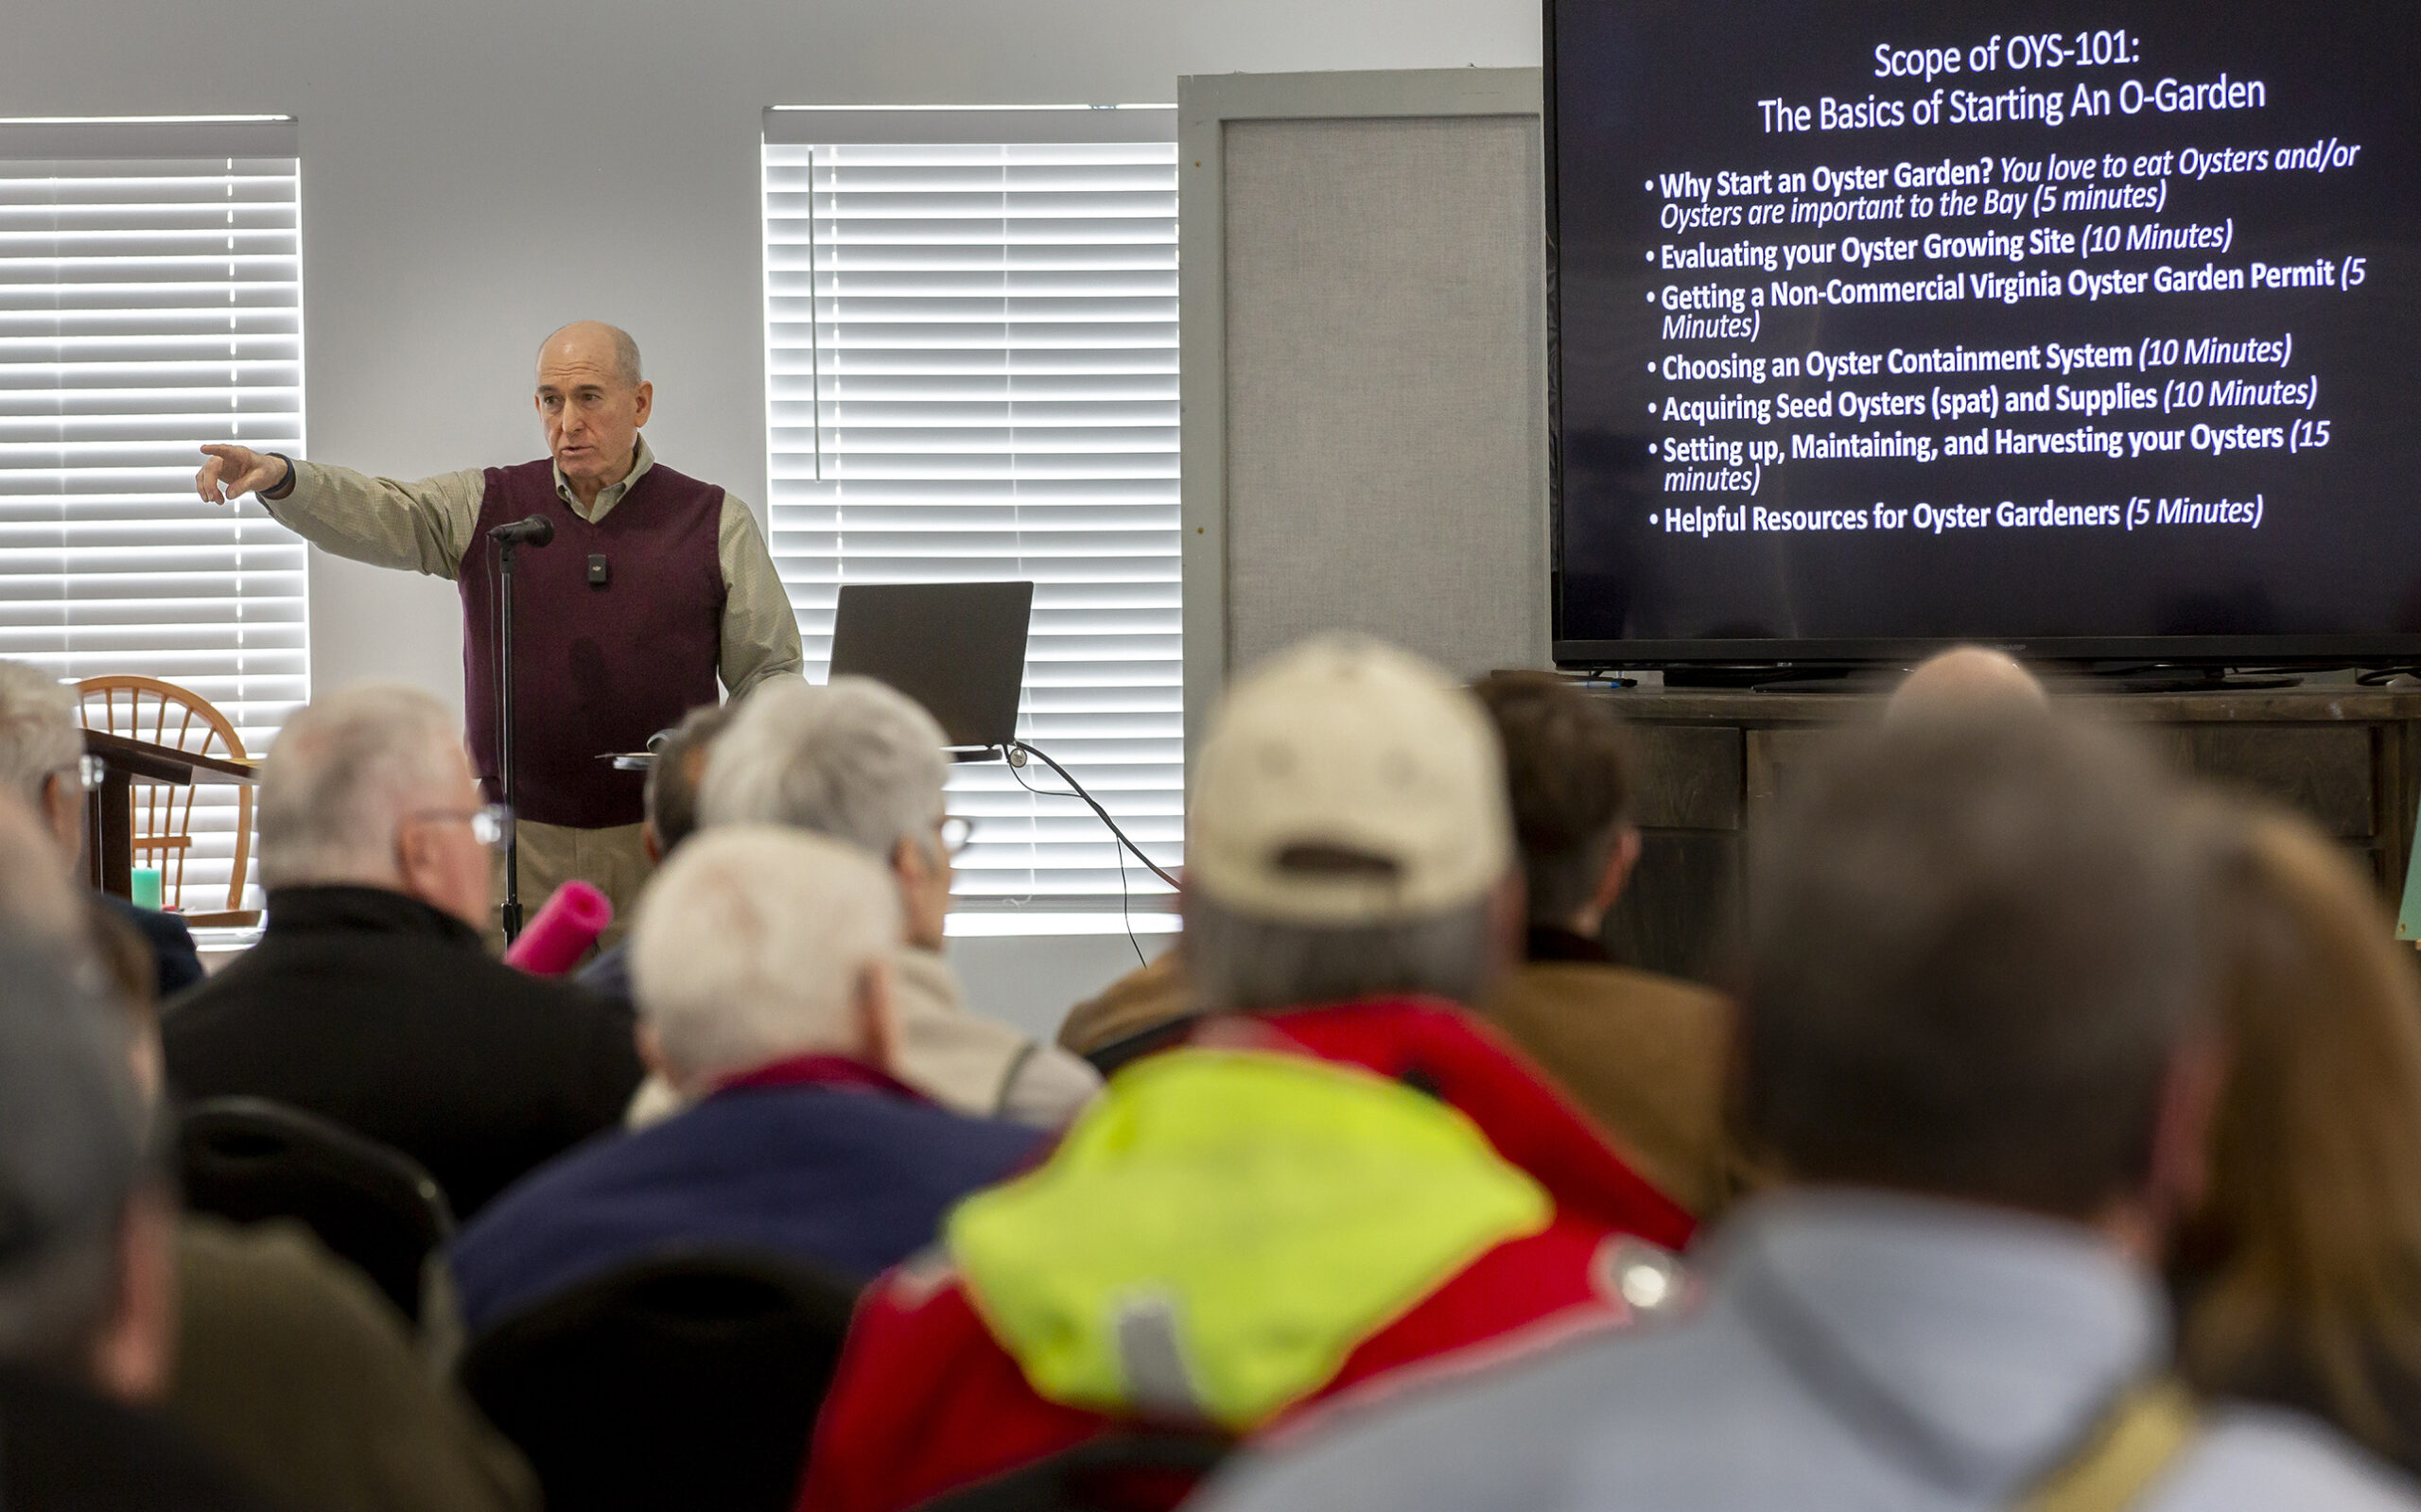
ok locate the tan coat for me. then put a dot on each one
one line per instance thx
(1644, 1055)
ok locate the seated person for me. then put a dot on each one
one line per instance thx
(2289, 1275)
(370, 999)
(1642, 1054)
(87, 1304)
(1338, 1179)
(41, 762)
(860, 763)
(1967, 680)
(762, 957)
(291, 1367)
(1977, 1040)
(671, 803)
(295, 1369)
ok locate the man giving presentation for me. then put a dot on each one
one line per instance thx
(655, 584)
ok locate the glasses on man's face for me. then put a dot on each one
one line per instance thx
(955, 833)
(489, 824)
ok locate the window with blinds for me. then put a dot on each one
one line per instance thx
(150, 299)
(971, 375)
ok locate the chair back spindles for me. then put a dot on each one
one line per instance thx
(148, 708)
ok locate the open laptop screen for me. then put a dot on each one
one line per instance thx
(956, 647)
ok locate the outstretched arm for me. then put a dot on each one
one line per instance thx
(421, 526)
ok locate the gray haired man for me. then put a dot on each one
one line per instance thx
(1972, 1040)
(85, 1248)
(42, 760)
(370, 999)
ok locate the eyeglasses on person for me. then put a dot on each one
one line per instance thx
(489, 824)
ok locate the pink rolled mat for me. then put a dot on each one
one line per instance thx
(562, 931)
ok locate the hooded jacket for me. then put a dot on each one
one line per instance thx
(1171, 1264)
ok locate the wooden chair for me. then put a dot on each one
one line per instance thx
(146, 708)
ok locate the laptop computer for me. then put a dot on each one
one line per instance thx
(956, 647)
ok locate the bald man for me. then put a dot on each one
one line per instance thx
(655, 587)
(1966, 680)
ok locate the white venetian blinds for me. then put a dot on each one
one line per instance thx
(971, 352)
(150, 299)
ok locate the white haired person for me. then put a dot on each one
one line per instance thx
(762, 957)
(41, 762)
(860, 762)
(370, 999)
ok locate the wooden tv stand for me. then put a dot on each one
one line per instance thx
(1710, 762)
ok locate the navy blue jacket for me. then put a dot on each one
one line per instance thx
(609, 973)
(170, 941)
(820, 1159)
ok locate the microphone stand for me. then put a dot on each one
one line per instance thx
(535, 530)
(511, 911)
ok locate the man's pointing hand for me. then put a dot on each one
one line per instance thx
(228, 473)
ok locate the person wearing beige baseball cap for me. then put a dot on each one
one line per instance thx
(1348, 835)
(1335, 1174)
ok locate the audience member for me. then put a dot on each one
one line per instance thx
(859, 762)
(1970, 1037)
(87, 1307)
(762, 957)
(41, 762)
(1967, 680)
(670, 799)
(1136, 1015)
(291, 1366)
(1338, 1177)
(369, 998)
(2299, 1275)
(295, 1369)
(1645, 1055)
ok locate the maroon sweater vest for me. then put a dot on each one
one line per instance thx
(595, 669)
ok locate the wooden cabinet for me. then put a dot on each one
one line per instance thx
(1710, 765)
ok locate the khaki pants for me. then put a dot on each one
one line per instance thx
(611, 860)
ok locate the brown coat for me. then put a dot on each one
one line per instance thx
(295, 1370)
(1643, 1055)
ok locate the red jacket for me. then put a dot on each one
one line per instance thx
(924, 1401)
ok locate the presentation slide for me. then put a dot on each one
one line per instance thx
(2034, 323)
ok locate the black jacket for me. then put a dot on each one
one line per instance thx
(376, 1010)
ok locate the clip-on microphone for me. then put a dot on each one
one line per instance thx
(535, 530)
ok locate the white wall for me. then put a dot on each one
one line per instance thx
(475, 172)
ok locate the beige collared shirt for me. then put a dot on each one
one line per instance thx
(428, 527)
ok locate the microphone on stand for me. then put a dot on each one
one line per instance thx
(535, 530)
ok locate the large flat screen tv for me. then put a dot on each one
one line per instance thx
(2084, 329)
